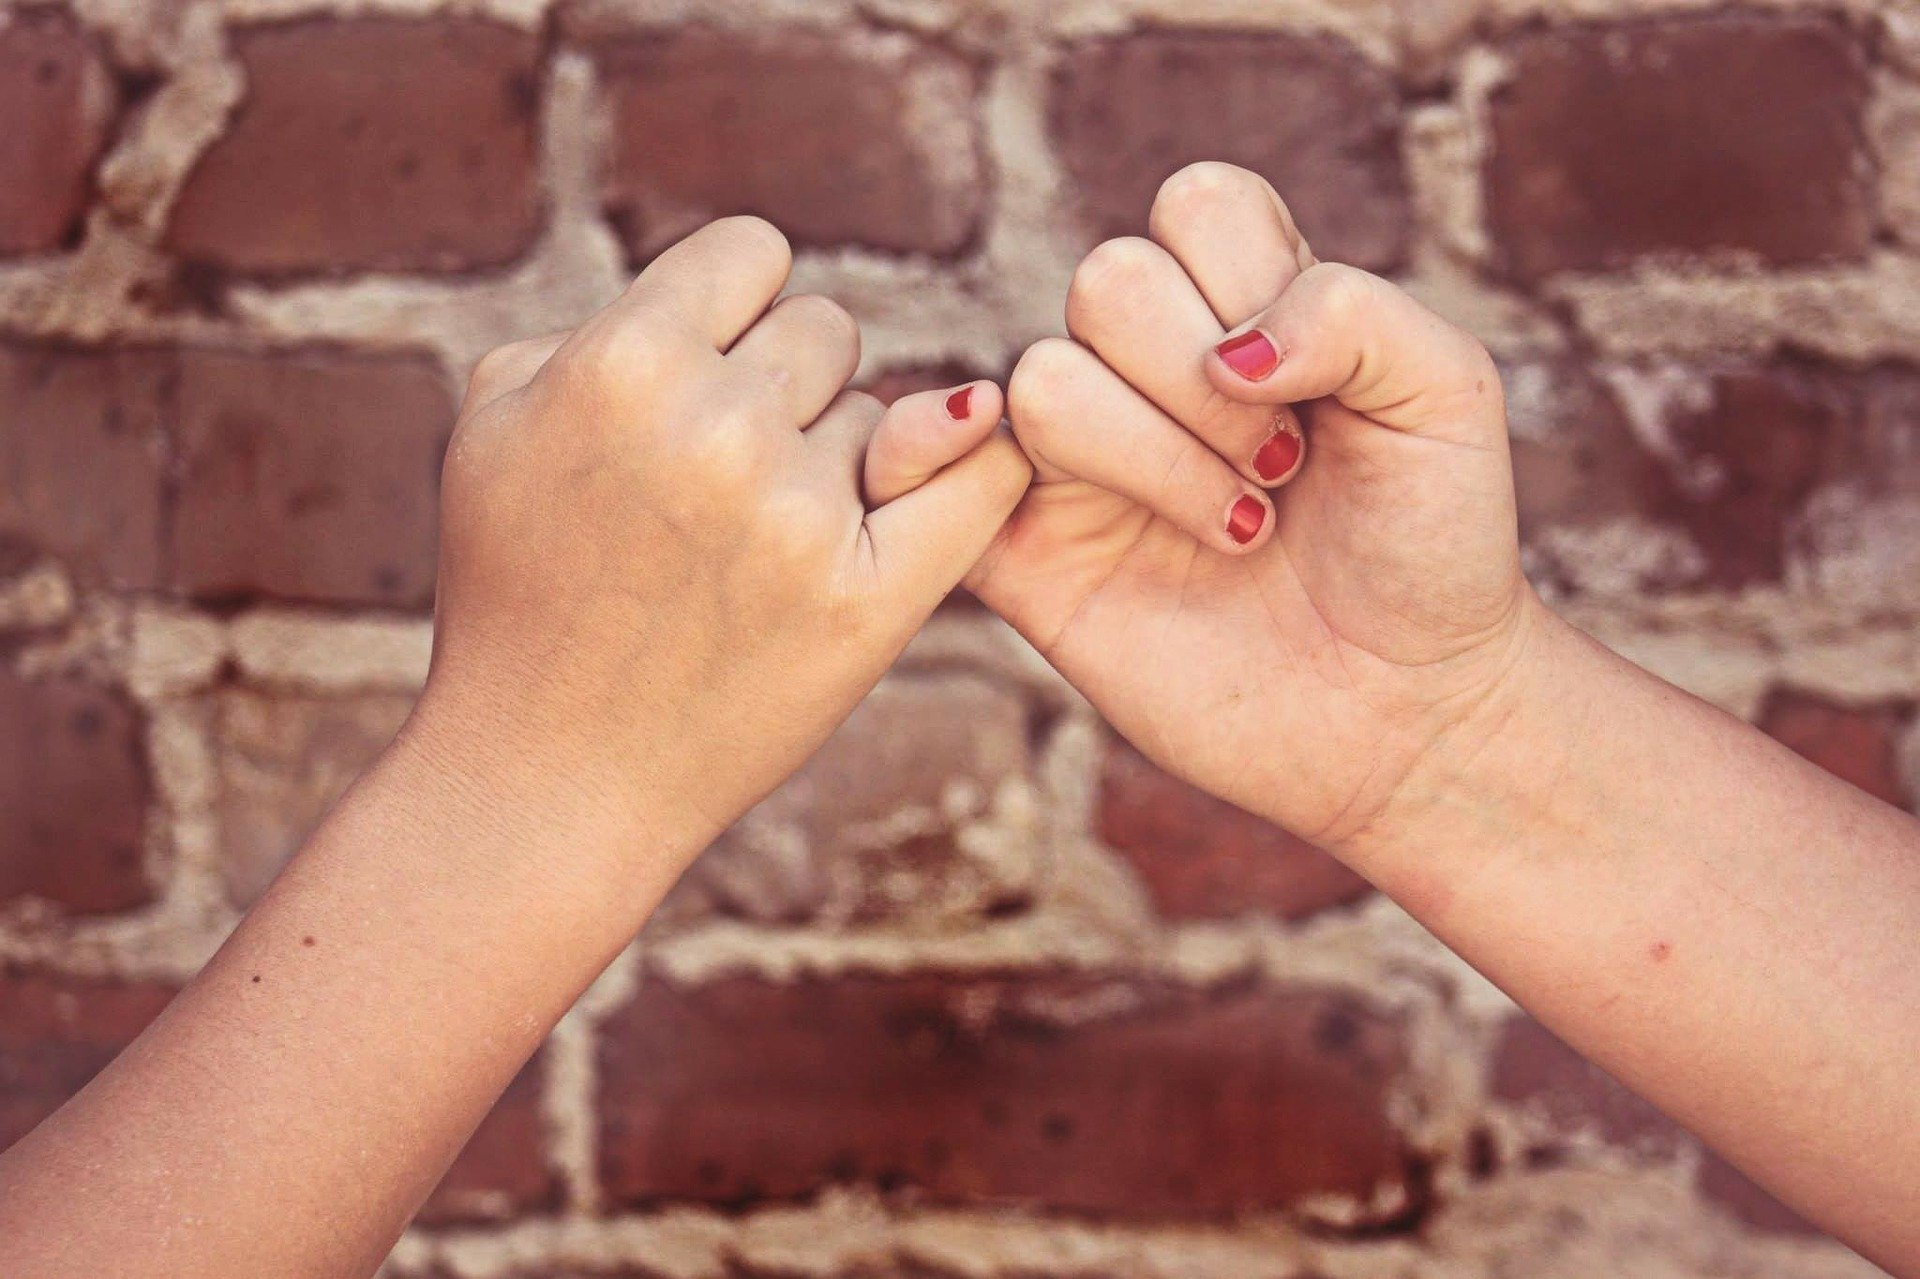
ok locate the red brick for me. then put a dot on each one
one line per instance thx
(1312, 114)
(1681, 135)
(1575, 459)
(309, 475)
(503, 1171)
(1059, 1093)
(1747, 459)
(73, 795)
(59, 101)
(1535, 1069)
(56, 1033)
(371, 143)
(857, 138)
(1533, 1066)
(1203, 858)
(1859, 744)
(82, 458)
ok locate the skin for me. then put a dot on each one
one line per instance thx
(668, 572)
(1721, 925)
(660, 591)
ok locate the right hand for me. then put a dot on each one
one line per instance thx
(1300, 652)
(660, 586)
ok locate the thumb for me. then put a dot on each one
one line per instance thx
(925, 541)
(1339, 331)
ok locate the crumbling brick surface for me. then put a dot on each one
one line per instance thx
(981, 991)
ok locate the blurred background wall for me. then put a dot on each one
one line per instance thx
(981, 992)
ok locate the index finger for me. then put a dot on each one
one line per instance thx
(717, 281)
(1233, 234)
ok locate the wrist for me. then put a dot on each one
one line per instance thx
(534, 806)
(1489, 772)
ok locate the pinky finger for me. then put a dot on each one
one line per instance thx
(924, 433)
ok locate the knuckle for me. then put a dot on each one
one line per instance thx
(1344, 290)
(1192, 194)
(1115, 271)
(868, 408)
(1035, 385)
(824, 319)
(619, 359)
(491, 369)
(1342, 293)
(755, 235)
(728, 449)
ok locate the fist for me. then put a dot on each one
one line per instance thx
(1272, 533)
(676, 551)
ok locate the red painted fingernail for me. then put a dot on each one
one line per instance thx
(1277, 456)
(1245, 519)
(1251, 355)
(960, 404)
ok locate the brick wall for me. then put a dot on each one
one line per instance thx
(981, 992)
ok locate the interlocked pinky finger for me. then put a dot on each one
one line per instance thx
(922, 433)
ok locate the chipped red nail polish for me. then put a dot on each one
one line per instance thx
(960, 404)
(1245, 519)
(1251, 355)
(1277, 456)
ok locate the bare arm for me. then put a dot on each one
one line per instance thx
(292, 1108)
(1272, 538)
(660, 590)
(1728, 929)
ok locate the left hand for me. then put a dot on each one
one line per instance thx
(1298, 653)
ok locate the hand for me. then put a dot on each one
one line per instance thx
(660, 588)
(1296, 654)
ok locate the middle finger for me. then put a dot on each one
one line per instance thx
(1133, 305)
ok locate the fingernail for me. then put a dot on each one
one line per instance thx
(1251, 355)
(1277, 456)
(960, 404)
(1245, 519)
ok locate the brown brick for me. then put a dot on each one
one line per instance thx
(371, 143)
(869, 827)
(1747, 458)
(895, 384)
(503, 1171)
(83, 458)
(284, 760)
(1312, 114)
(856, 138)
(1586, 487)
(1575, 458)
(1534, 1068)
(1060, 1093)
(309, 475)
(1203, 858)
(1681, 135)
(73, 795)
(58, 100)
(1858, 744)
(56, 1033)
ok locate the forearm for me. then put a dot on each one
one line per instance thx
(1729, 930)
(298, 1101)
